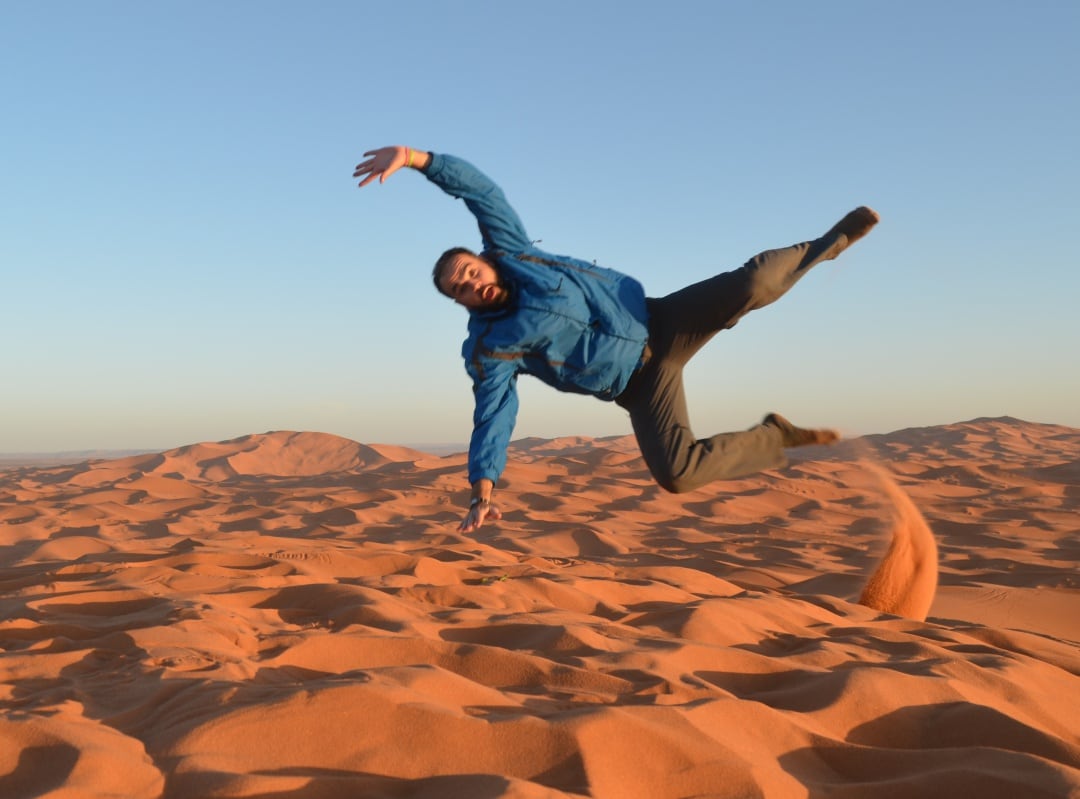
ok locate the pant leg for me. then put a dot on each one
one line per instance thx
(679, 325)
(688, 318)
(677, 460)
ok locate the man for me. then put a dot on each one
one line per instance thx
(586, 329)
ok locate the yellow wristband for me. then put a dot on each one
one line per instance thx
(409, 162)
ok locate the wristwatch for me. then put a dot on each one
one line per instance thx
(477, 501)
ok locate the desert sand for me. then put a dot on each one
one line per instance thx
(294, 615)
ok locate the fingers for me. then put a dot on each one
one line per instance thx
(364, 166)
(374, 157)
(381, 166)
(376, 172)
(469, 523)
(475, 518)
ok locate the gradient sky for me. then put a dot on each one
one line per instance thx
(185, 256)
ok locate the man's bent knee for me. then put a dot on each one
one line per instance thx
(673, 481)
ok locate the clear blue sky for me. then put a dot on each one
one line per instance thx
(185, 256)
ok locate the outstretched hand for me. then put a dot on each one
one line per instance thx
(382, 164)
(477, 514)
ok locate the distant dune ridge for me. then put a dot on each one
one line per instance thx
(293, 614)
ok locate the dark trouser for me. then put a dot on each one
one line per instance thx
(679, 325)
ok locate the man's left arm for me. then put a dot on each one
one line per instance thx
(495, 394)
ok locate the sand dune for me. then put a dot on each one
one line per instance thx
(295, 615)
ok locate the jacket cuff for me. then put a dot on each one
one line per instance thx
(483, 474)
(434, 165)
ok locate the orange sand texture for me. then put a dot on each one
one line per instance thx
(294, 615)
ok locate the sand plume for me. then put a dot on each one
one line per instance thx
(905, 581)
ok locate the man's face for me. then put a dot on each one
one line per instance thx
(472, 282)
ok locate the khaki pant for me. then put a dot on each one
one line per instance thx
(679, 325)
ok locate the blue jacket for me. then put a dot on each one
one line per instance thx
(576, 326)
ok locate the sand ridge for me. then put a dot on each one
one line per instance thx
(294, 614)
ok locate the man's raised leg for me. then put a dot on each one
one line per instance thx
(683, 321)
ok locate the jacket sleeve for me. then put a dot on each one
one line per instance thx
(495, 393)
(500, 227)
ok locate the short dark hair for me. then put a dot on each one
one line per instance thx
(443, 262)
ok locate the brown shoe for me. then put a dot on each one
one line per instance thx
(854, 225)
(797, 436)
